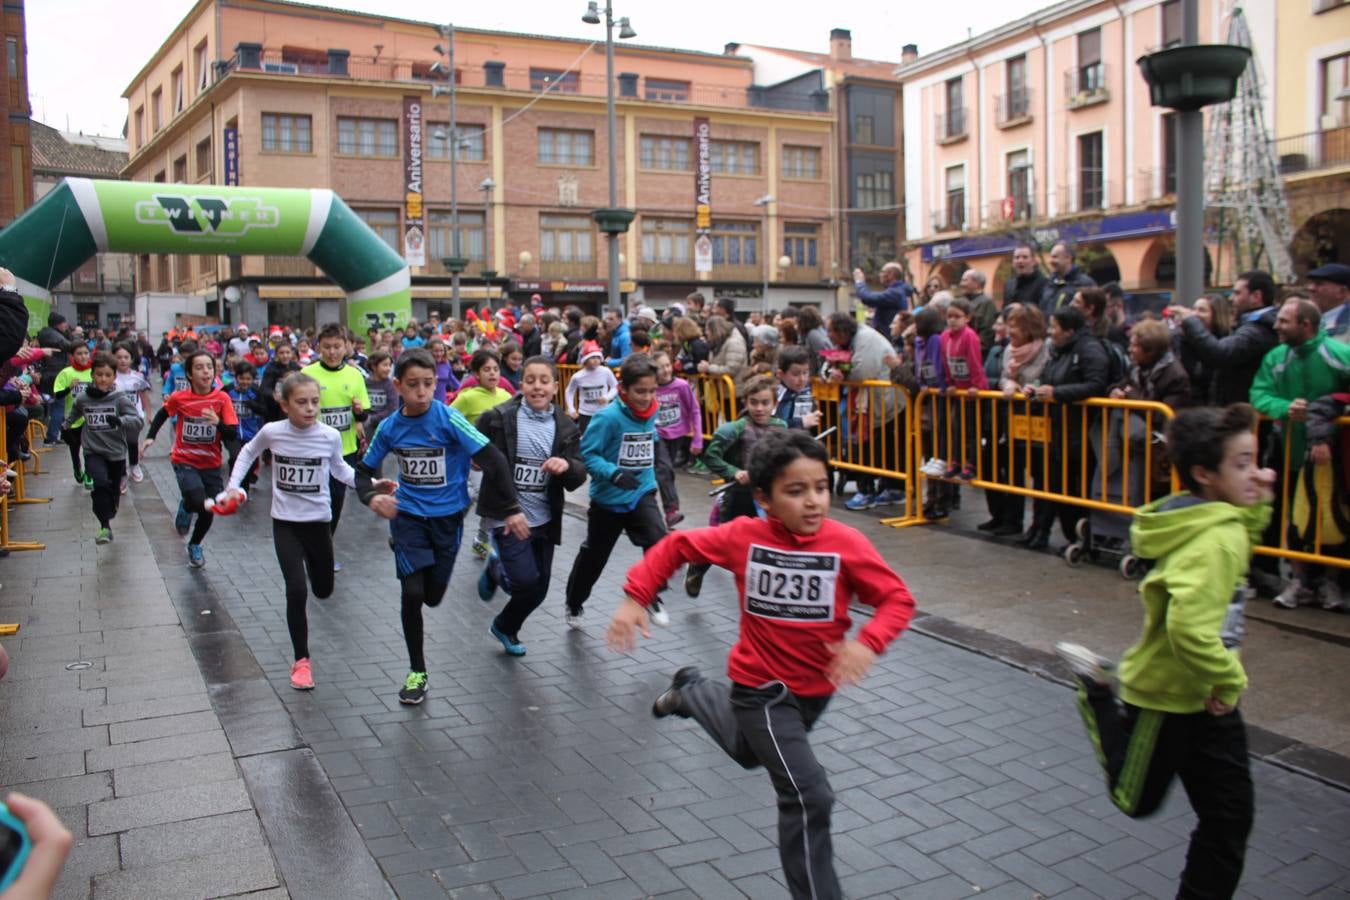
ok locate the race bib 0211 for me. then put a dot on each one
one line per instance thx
(297, 474)
(421, 466)
(529, 476)
(339, 417)
(790, 586)
(637, 450)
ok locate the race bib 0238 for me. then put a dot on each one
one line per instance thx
(297, 474)
(421, 466)
(790, 586)
(637, 450)
(339, 417)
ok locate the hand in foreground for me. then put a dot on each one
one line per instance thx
(742, 477)
(631, 616)
(145, 445)
(1320, 454)
(518, 526)
(384, 506)
(1298, 410)
(384, 485)
(555, 465)
(851, 661)
(51, 844)
(1216, 707)
(210, 415)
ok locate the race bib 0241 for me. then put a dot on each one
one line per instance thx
(297, 474)
(790, 586)
(100, 418)
(421, 466)
(637, 450)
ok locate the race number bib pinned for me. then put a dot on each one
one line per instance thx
(297, 474)
(198, 431)
(529, 476)
(960, 368)
(100, 418)
(669, 412)
(241, 410)
(593, 396)
(78, 388)
(377, 398)
(180, 383)
(339, 417)
(792, 587)
(421, 466)
(637, 450)
(804, 406)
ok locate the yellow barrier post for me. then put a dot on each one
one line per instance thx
(1307, 497)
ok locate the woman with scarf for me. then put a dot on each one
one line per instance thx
(1024, 360)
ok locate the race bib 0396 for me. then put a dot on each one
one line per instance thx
(297, 474)
(790, 586)
(421, 466)
(637, 450)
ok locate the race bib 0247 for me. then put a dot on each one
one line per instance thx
(637, 450)
(790, 586)
(421, 466)
(297, 474)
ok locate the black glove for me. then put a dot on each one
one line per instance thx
(626, 480)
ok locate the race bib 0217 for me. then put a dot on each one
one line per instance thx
(790, 586)
(339, 417)
(297, 474)
(637, 450)
(421, 466)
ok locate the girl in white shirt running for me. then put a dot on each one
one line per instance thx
(305, 452)
(134, 383)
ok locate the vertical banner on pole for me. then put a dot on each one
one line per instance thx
(703, 260)
(231, 144)
(414, 228)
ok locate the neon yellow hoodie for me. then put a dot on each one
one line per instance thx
(1202, 548)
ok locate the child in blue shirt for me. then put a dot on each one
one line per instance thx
(619, 450)
(252, 412)
(434, 446)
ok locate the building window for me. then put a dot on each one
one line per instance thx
(1019, 183)
(140, 127)
(367, 137)
(1018, 102)
(472, 243)
(864, 130)
(180, 175)
(799, 244)
(204, 159)
(12, 56)
(18, 185)
(470, 137)
(1091, 189)
(156, 111)
(283, 133)
(1169, 148)
(176, 81)
(873, 190)
(956, 197)
(1091, 74)
(1335, 79)
(201, 68)
(565, 239)
(559, 147)
(1171, 23)
(956, 110)
(669, 91)
(871, 113)
(159, 177)
(666, 242)
(734, 157)
(556, 81)
(661, 152)
(384, 222)
(801, 162)
(735, 244)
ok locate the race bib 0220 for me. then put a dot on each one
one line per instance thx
(421, 466)
(637, 450)
(297, 474)
(790, 586)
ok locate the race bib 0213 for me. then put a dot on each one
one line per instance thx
(339, 417)
(297, 474)
(421, 466)
(529, 476)
(790, 586)
(637, 450)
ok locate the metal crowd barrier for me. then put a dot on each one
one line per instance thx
(873, 426)
(716, 396)
(1313, 516)
(6, 543)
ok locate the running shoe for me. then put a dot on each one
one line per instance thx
(1295, 595)
(892, 497)
(487, 583)
(860, 501)
(573, 619)
(481, 549)
(104, 536)
(668, 701)
(88, 482)
(674, 517)
(302, 678)
(337, 566)
(196, 558)
(967, 473)
(137, 473)
(414, 689)
(934, 468)
(1093, 669)
(1331, 596)
(698, 468)
(512, 646)
(693, 580)
(79, 477)
(182, 520)
(122, 488)
(659, 614)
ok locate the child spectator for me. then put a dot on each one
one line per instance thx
(679, 427)
(590, 389)
(963, 368)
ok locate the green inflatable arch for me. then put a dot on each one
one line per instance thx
(82, 217)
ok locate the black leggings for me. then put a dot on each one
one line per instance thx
(302, 547)
(418, 589)
(107, 474)
(196, 485)
(73, 437)
(337, 494)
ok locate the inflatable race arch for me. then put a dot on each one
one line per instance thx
(82, 217)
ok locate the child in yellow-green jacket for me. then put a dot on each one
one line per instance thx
(1179, 684)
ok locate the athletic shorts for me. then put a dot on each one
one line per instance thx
(207, 480)
(426, 543)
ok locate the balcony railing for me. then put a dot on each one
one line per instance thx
(570, 269)
(668, 271)
(288, 267)
(948, 220)
(1014, 108)
(1316, 150)
(951, 126)
(474, 269)
(1013, 208)
(1086, 85)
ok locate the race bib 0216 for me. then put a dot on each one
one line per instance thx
(637, 450)
(421, 466)
(198, 431)
(529, 476)
(339, 417)
(297, 474)
(790, 586)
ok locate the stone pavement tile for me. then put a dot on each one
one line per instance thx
(971, 867)
(536, 884)
(172, 773)
(147, 709)
(163, 726)
(1027, 871)
(72, 791)
(1308, 875)
(41, 768)
(422, 860)
(199, 837)
(1104, 885)
(219, 874)
(174, 805)
(650, 874)
(1151, 883)
(480, 872)
(157, 750)
(276, 893)
(417, 886)
(89, 858)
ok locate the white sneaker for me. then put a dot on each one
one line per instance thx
(573, 620)
(1331, 597)
(935, 468)
(1084, 663)
(137, 473)
(123, 486)
(1295, 595)
(659, 615)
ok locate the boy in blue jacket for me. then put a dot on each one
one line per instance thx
(619, 450)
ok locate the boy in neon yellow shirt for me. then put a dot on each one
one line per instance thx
(472, 402)
(71, 382)
(343, 404)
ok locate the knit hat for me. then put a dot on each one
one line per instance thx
(589, 349)
(646, 312)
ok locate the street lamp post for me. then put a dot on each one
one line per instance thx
(763, 204)
(455, 263)
(612, 220)
(489, 273)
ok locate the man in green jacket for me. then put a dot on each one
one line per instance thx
(1177, 714)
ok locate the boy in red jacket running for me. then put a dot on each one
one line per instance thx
(796, 572)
